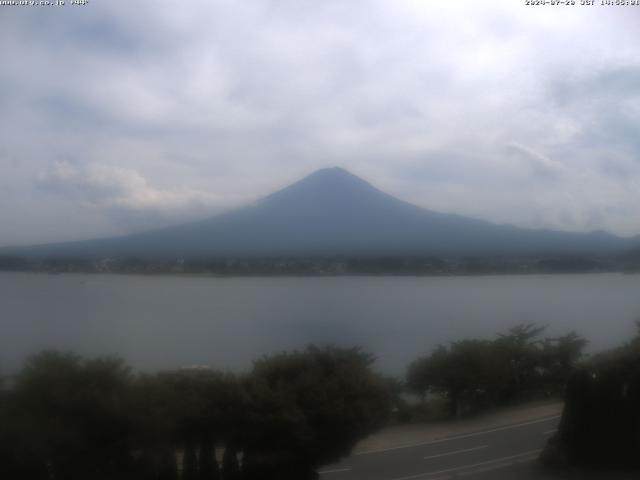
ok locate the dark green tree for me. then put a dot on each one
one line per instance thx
(168, 466)
(230, 465)
(600, 425)
(473, 374)
(207, 464)
(309, 408)
(190, 462)
(560, 355)
(468, 373)
(520, 349)
(156, 408)
(73, 418)
(185, 410)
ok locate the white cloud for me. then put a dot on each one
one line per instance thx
(105, 186)
(126, 197)
(176, 111)
(540, 164)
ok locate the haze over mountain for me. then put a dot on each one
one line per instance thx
(333, 212)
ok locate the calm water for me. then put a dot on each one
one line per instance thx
(161, 322)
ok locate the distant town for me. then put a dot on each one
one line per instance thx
(333, 266)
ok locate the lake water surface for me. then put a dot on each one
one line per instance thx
(169, 321)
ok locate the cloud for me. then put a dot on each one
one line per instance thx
(104, 185)
(125, 195)
(171, 111)
(540, 165)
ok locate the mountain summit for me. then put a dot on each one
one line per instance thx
(333, 212)
(327, 183)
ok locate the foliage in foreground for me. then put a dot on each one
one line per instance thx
(600, 425)
(472, 374)
(68, 418)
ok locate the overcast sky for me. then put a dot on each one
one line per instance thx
(122, 116)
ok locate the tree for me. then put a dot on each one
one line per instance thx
(468, 373)
(168, 467)
(560, 356)
(185, 410)
(156, 409)
(190, 462)
(73, 417)
(207, 463)
(473, 374)
(230, 466)
(68, 418)
(309, 408)
(600, 424)
(520, 349)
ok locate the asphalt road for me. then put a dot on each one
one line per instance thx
(507, 452)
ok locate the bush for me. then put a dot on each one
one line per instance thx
(69, 418)
(475, 374)
(600, 425)
(310, 408)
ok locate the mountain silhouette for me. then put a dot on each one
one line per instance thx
(333, 212)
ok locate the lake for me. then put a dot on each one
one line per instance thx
(158, 322)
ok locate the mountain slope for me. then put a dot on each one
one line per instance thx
(333, 212)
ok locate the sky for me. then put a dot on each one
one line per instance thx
(120, 116)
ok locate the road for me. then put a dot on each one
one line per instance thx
(499, 453)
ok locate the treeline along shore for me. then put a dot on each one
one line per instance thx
(333, 265)
(65, 417)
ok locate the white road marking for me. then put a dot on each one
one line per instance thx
(456, 452)
(499, 461)
(336, 470)
(490, 468)
(458, 437)
(549, 432)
